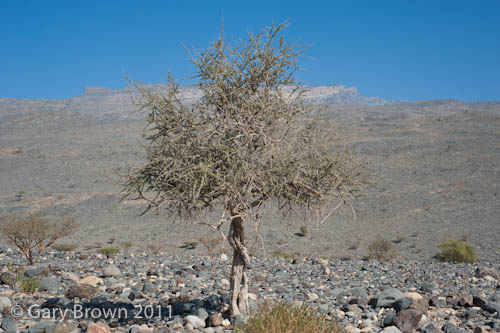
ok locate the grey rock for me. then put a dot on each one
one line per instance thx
(391, 329)
(388, 297)
(389, 319)
(49, 284)
(239, 319)
(402, 304)
(111, 271)
(407, 320)
(8, 325)
(42, 327)
(195, 321)
(4, 303)
(201, 313)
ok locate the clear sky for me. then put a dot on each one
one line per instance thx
(406, 49)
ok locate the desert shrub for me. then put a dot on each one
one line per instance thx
(454, 250)
(211, 243)
(108, 251)
(381, 249)
(126, 245)
(285, 255)
(155, 247)
(64, 247)
(190, 245)
(304, 230)
(22, 282)
(284, 318)
(33, 234)
(30, 284)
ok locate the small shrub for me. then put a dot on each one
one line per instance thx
(304, 230)
(284, 318)
(285, 255)
(190, 245)
(126, 245)
(324, 257)
(155, 247)
(454, 250)
(30, 284)
(33, 234)
(64, 247)
(381, 249)
(21, 282)
(211, 243)
(108, 251)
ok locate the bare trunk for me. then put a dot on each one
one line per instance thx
(239, 278)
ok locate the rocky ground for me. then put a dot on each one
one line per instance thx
(436, 172)
(143, 292)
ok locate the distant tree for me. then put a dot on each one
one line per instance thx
(250, 139)
(34, 234)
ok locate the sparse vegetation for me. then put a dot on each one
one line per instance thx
(34, 234)
(64, 247)
(304, 230)
(211, 243)
(454, 250)
(126, 245)
(285, 255)
(190, 245)
(109, 251)
(155, 247)
(285, 318)
(21, 282)
(381, 249)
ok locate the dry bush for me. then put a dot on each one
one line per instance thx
(284, 318)
(454, 250)
(156, 247)
(126, 245)
(381, 249)
(33, 234)
(211, 243)
(109, 251)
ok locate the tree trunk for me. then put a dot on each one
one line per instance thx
(239, 278)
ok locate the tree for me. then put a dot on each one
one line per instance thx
(249, 140)
(34, 234)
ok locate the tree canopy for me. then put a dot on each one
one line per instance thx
(249, 138)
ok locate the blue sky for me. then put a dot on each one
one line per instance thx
(410, 50)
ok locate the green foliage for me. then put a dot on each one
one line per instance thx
(285, 318)
(249, 138)
(190, 245)
(109, 251)
(381, 249)
(21, 282)
(454, 250)
(30, 284)
(33, 234)
(285, 255)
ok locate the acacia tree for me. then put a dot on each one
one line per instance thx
(249, 140)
